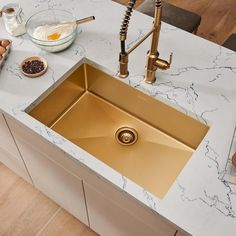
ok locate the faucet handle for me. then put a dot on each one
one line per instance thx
(163, 64)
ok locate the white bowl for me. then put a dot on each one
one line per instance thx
(51, 17)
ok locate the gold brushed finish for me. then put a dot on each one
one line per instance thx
(101, 107)
(126, 136)
(123, 72)
(58, 101)
(140, 42)
(153, 60)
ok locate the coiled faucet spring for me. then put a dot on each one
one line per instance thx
(127, 16)
(125, 22)
(153, 60)
(158, 3)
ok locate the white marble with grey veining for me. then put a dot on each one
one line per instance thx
(200, 83)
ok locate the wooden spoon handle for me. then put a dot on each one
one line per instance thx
(84, 20)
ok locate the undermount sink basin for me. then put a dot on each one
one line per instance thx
(142, 138)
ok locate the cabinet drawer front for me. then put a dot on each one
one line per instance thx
(52, 178)
(6, 140)
(15, 165)
(54, 181)
(107, 218)
(9, 154)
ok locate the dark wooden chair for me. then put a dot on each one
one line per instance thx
(230, 42)
(173, 15)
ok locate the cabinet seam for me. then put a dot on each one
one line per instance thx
(18, 150)
(86, 206)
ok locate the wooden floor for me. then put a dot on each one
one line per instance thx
(24, 211)
(218, 17)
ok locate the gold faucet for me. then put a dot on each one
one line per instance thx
(153, 60)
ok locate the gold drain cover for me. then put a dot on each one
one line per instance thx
(126, 136)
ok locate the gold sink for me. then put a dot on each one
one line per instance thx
(142, 138)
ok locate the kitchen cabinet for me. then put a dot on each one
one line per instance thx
(107, 218)
(9, 154)
(89, 197)
(49, 177)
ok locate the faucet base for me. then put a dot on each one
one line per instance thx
(150, 77)
(123, 76)
(149, 82)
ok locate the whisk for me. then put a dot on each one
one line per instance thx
(54, 31)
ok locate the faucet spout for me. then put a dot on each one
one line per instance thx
(153, 60)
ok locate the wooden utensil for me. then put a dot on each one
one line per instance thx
(55, 29)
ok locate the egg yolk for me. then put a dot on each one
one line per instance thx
(54, 36)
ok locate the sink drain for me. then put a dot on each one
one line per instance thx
(126, 136)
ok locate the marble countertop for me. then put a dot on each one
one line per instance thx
(200, 83)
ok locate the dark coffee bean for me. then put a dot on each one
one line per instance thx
(33, 67)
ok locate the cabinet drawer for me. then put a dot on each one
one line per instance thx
(17, 166)
(53, 180)
(6, 140)
(107, 218)
(9, 154)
